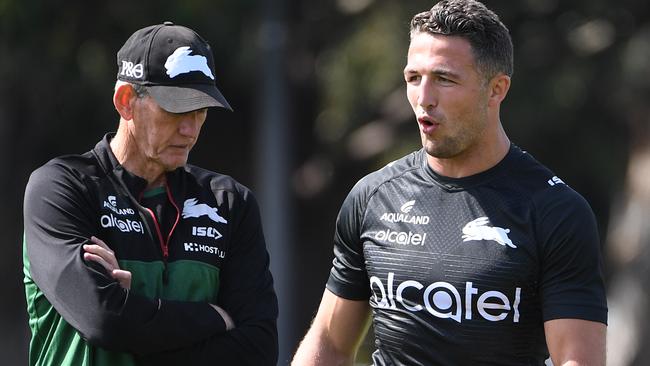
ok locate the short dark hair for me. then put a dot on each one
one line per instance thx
(140, 90)
(488, 36)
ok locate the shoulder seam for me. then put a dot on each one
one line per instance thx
(374, 190)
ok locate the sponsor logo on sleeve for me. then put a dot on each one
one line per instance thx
(555, 180)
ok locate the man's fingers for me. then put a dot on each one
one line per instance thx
(96, 258)
(99, 242)
(107, 254)
(100, 252)
(120, 274)
(123, 277)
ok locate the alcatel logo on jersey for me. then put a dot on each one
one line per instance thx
(195, 247)
(208, 232)
(111, 204)
(404, 216)
(124, 225)
(191, 208)
(443, 300)
(479, 230)
(401, 237)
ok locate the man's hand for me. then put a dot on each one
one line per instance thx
(102, 254)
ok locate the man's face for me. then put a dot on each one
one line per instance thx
(447, 94)
(165, 139)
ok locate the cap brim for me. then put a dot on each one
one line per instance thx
(187, 98)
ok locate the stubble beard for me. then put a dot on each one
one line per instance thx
(450, 146)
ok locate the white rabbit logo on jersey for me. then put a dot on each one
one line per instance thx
(181, 62)
(479, 230)
(191, 208)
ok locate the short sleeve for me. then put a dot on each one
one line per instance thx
(572, 280)
(348, 277)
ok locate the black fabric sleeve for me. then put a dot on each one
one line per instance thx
(247, 294)
(572, 280)
(58, 220)
(348, 277)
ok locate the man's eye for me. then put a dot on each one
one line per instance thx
(413, 78)
(444, 80)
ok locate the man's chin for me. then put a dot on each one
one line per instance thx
(439, 152)
(173, 165)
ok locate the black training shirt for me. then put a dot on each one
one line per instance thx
(465, 271)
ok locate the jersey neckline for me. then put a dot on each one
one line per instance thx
(459, 184)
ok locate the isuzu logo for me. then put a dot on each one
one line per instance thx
(208, 232)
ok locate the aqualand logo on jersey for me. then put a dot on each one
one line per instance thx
(478, 230)
(181, 62)
(443, 300)
(404, 216)
(192, 208)
(111, 204)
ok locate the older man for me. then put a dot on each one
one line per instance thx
(132, 256)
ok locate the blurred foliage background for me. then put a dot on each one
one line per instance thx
(319, 102)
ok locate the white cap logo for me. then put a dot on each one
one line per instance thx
(181, 62)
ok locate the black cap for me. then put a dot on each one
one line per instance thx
(175, 64)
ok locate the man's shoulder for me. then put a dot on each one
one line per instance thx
(542, 184)
(215, 181)
(392, 170)
(69, 165)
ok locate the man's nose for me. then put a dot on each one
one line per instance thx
(189, 125)
(427, 96)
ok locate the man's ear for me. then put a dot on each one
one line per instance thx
(498, 89)
(123, 100)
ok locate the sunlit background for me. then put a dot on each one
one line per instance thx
(319, 102)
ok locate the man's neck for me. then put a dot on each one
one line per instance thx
(478, 158)
(128, 154)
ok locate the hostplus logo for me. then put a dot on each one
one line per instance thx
(196, 247)
(443, 300)
(405, 216)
